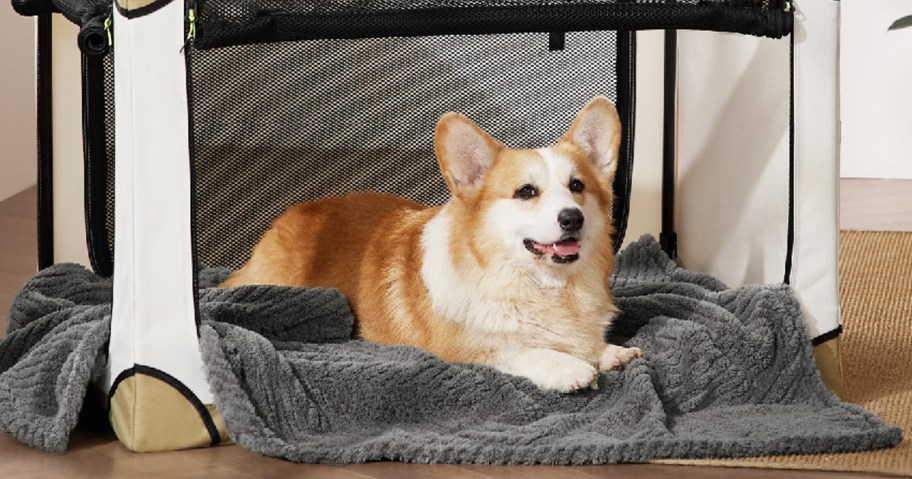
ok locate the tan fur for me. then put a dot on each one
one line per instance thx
(373, 248)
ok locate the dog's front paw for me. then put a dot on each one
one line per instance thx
(613, 357)
(566, 376)
(550, 369)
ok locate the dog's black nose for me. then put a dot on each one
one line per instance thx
(570, 219)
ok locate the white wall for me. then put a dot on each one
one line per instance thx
(18, 125)
(876, 90)
(18, 130)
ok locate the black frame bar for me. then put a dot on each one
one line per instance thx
(668, 238)
(45, 144)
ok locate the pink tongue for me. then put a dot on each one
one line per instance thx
(567, 247)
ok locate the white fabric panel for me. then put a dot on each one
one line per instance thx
(815, 269)
(733, 159)
(733, 156)
(153, 320)
(121, 346)
(646, 191)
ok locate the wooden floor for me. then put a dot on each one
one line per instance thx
(95, 453)
(875, 205)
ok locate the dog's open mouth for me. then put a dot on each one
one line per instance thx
(563, 251)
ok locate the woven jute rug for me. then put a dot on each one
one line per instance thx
(875, 290)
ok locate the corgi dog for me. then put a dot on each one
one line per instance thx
(511, 272)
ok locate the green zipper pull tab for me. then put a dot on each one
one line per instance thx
(191, 16)
(108, 24)
(788, 7)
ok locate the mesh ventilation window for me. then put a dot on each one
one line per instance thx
(279, 123)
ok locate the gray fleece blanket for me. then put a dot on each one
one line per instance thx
(728, 372)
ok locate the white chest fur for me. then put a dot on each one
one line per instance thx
(502, 303)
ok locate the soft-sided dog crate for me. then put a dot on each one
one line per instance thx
(204, 119)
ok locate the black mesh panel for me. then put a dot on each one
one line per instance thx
(109, 148)
(98, 149)
(279, 123)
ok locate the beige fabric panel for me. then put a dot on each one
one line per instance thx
(150, 415)
(829, 361)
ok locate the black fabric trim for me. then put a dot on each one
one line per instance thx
(177, 385)
(139, 12)
(126, 373)
(45, 145)
(96, 164)
(827, 336)
(557, 41)
(790, 235)
(273, 26)
(668, 238)
(626, 106)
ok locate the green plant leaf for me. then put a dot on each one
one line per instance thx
(903, 22)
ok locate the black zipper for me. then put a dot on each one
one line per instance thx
(626, 104)
(194, 231)
(790, 235)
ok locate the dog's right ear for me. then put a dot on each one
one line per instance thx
(464, 151)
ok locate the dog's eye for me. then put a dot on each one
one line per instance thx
(526, 192)
(576, 185)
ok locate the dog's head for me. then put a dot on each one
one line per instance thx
(548, 207)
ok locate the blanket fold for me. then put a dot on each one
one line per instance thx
(728, 372)
(54, 347)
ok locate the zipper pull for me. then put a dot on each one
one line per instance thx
(191, 17)
(108, 28)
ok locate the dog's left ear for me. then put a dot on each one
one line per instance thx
(597, 131)
(464, 151)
